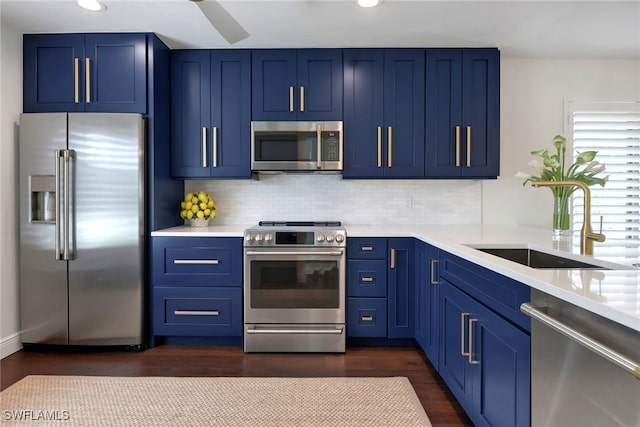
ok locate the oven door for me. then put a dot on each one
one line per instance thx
(294, 286)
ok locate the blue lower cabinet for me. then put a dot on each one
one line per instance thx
(203, 312)
(485, 360)
(367, 317)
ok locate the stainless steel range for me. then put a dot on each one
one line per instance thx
(294, 287)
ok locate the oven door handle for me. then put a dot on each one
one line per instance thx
(295, 331)
(290, 253)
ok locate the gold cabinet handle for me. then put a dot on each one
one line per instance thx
(87, 83)
(379, 146)
(366, 248)
(366, 279)
(393, 259)
(215, 147)
(204, 147)
(468, 146)
(457, 146)
(76, 80)
(389, 145)
(367, 318)
(462, 340)
(434, 281)
(291, 99)
(470, 355)
(301, 99)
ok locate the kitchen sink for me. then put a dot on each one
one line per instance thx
(536, 259)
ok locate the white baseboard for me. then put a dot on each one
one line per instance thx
(10, 345)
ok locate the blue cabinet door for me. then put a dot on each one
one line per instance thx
(274, 84)
(401, 287)
(501, 376)
(426, 300)
(92, 72)
(453, 364)
(421, 289)
(462, 116)
(320, 84)
(384, 113)
(363, 113)
(117, 73)
(53, 73)
(444, 113)
(231, 114)
(190, 113)
(290, 84)
(481, 112)
(404, 95)
(210, 114)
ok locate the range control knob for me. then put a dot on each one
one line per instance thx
(329, 238)
(248, 237)
(268, 237)
(339, 238)
(320, 238)
(258, 237)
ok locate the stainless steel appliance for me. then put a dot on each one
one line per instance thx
(296, 146)
(294, 287)
(584, 368)
(82, 226)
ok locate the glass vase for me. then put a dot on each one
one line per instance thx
(561, 218)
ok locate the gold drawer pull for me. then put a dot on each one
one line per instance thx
(367, 318)
(196, 313)
(366, 279)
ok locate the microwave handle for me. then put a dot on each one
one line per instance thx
(319, 133)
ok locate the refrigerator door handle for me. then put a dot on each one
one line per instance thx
(67, 158)
(57, 155)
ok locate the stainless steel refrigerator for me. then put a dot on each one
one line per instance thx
(82, 227)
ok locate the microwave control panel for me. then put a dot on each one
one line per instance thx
(331, 146)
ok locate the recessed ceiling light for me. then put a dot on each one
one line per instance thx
(92, 5)
(369, 3)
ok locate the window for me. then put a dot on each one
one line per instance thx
(613, 130)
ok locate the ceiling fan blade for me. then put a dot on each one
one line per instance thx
(222, 21)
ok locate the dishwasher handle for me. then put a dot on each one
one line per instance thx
(601, 350)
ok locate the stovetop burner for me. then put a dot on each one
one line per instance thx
(299, 223)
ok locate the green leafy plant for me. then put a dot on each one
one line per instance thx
(553, 167)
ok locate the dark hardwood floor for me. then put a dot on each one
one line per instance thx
(184, 361)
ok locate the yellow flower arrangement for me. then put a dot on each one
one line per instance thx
(198, 204)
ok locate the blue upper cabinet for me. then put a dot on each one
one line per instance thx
(210, 113)
(297, 84)
(384, 95)
(85, 72)
(463, 113)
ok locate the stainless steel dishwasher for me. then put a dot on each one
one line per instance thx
(584, 368)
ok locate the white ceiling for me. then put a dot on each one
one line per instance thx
(519, 28)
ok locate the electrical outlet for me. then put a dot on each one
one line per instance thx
(408, 202)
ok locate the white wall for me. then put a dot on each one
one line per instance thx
(533, 96)
(10, 107)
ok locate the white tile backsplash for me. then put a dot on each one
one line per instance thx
(358, 202)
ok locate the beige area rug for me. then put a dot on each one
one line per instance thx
(40, 400)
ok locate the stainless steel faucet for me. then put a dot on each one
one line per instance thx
(587, 236)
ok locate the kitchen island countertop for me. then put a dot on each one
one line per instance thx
(612, 293)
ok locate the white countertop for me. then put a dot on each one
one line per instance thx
(614, 294)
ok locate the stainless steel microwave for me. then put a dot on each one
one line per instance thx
(296, 146)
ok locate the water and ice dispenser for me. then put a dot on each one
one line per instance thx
(43, 198)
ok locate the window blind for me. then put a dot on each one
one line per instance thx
(613, 130)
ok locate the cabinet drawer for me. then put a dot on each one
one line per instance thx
(496, 291)
(375, 248)
(367, 278)
(197, 261)
(198, 311)
(367, 317)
